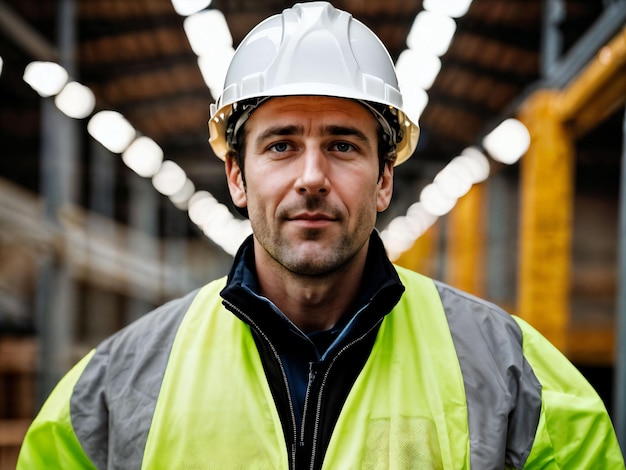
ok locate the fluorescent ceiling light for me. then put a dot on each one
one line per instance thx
(458, 176)
(200, 206)
(416, 221)
(207, 31)
(46, 78)
(507, 142)
(414, 101)
(476, 163)
(189, 7)
(435, 201)
(224, 229)
(454, 180)
(402, 231)
(451, 8)
(1, 64)
(182, 196)
(112, 130)
(232, 234)
(217, 222)
(143, 156)
(417, 69)
(417, 212)
(214, 66)
(169, 179)
(431, 33)
(75, 100)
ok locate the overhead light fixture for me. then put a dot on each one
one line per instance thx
(399, 234)
(199, 206)
(217, 222)
(181, 198)
(75, 100)
(189, 7)
(402, 231)
(46, 78)
(417, 69)
(431, 33)
(228, 232)
(169, 179)
(207, 31)
(435, 201)
(112, 130)
(143, 156)
(1, 64)
(418, 214)
(214, 66)
(224, 229)
(454, 180)
(475, 162)
(414, 101)
(507, 142)
(451, 8)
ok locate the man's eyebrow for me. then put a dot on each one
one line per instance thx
(334, 130)
(345, 131)
(280, 130)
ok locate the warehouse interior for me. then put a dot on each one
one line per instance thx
(89, 243)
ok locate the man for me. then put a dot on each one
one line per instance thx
(316, 352)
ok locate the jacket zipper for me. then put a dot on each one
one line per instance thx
(284, 376)
(318, 408)
(312, 375)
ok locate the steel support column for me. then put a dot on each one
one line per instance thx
(465, 258)
(103, 170)
(619, 400)
(100, 305)
(143, 218)
(502, 228)
(175, 247)
(547, 185)
(56, 295)
(551, 38)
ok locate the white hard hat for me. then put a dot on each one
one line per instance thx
(313, 49)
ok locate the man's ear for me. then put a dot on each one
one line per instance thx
(235, 182)
(385, 187)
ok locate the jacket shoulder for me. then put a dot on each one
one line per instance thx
(151, 328)
(113, 401)
(502, 390)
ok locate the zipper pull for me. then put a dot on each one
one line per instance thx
(312, 372)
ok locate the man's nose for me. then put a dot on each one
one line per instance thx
(313, 179)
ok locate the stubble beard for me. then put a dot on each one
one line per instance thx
(308, 254)
(309, 259)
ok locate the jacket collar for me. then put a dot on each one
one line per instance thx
(379, 292)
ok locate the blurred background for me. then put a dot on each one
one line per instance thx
(112, 202)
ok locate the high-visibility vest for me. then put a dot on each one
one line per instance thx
(406, 409)
(451, 381)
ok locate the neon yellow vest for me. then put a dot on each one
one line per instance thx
(406, 409)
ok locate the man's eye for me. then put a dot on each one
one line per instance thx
(343, 147)
(279, 147)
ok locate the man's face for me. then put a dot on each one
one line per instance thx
(312, 187)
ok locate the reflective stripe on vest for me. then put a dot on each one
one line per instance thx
(406, 409)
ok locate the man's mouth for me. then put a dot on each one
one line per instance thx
(312, 219)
